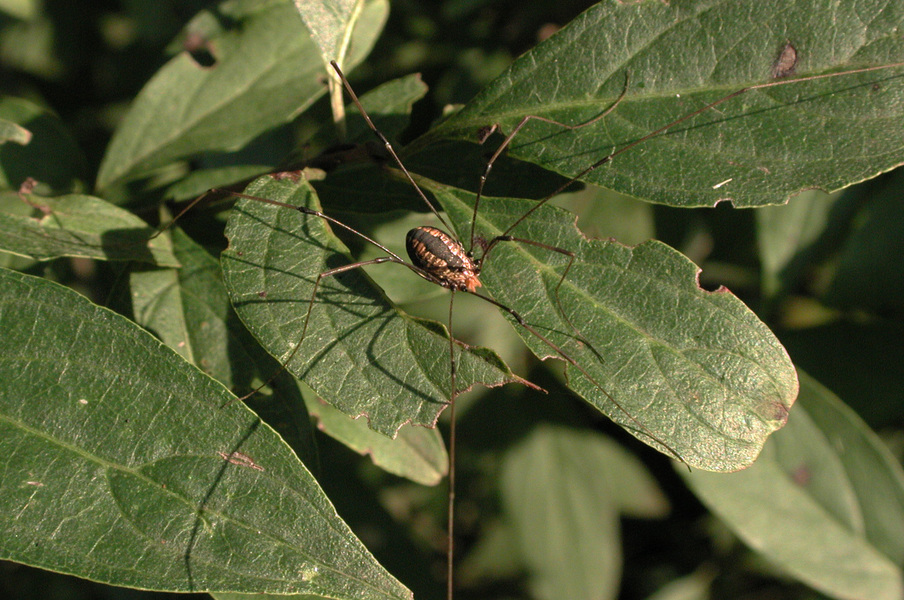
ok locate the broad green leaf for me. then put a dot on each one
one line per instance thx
(360, 354)
(825, 501)
(188, 309)
(126, 465)
(267, 71)
(565, 520)
(48, 153)
(756, 149)
(692, 369)
(78, 225)
(416, 453)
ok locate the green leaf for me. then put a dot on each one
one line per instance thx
(416, 453)
(563, 515)
(136, 469)
(13, 132)
(789, 235)
(696, 369)
(331, 23)
(825, 501)
(360, 354)
(42, 149)
(756, 149)
(266, 72)
(495, 555)
(188, 309)
(78, 225)
(389, 107)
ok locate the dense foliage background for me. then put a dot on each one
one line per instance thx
(822, 272)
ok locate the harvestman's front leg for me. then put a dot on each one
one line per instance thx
(486, 132)
(571, 258)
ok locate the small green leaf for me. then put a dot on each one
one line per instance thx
(360, 353)
(756, 149)
(787, 237)
(38, 146)
(13, 132)
(78, 225)
(126, 465)
(389, 107)
(825, 501)
(696, 369)
(331, 23)
(267, 71)
(563, 515)
(416, 453)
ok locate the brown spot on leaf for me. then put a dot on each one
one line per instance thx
(801, 475)
(786, 62)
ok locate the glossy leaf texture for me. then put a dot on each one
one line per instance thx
(266, 70)
(360, 354)
(670, 362)
(825, 502)
(77, 225)
(756, 149)
(126, 465)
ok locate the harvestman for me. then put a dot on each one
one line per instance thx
(442, 259)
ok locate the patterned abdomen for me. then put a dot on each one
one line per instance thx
(443, 258)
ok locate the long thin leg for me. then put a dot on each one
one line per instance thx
(687, 117)
(511, 136)
(387, 144)
(450, 550)
(571, 258)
